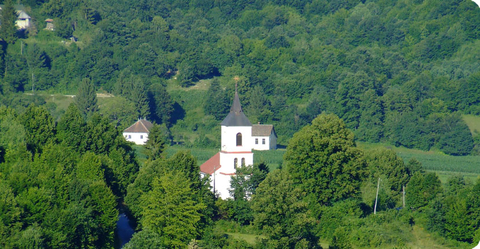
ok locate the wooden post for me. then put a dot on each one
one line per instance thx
(376, 198)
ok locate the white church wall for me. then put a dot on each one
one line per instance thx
(221, 184)
(229, 138)
(227, 160)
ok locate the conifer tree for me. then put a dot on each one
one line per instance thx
(216, 102)
(170, 210)
(86, 98)
(156, 144)
(139, 97)
(8, 31)
(71, 128)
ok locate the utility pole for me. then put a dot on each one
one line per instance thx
(403, 196)
(376, 198)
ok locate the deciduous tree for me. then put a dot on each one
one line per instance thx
(281, 213)
(323, 160)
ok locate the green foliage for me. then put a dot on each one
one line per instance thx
(8, 31)
(462, 215)
(135, 90)
(216, 103)
(39, 127)
(182, 163)
(340, 239)
(388, 69)
(421, 189)
(242, 187)
(145, 239)
(10, 125)
(86, 98)
(120, 111)
(281, 213)
(413, 166)
(383, 163)
(456, 140)
(161, 104)
(339, 215)
(71, 128)
(171, 211)
(156, 144)
(323, 160)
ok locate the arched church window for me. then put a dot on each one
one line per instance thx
(235, 162)
(243, 161)
(239, 139)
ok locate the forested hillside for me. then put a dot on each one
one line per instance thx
(325, 73)
(400, 72)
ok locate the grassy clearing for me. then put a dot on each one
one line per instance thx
(468, 166)
(473, 123)
(425, 240)
(273, 158)
(61, 101)
(436, 162)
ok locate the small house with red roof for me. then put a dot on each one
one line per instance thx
(138, 132)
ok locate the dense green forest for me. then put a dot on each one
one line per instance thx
(399, 72)
(325, 73)
(63, 184)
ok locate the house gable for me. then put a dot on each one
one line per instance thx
(138, 132)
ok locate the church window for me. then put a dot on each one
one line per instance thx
(129, 136)
(243, 161)
(141, 136)
(256, 140)
(235, 162)
(239, 139)
(263, 140)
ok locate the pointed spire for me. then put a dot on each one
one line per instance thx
(236, 106)
(236, 117)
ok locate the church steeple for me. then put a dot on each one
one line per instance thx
(236, 117)
(236, 106)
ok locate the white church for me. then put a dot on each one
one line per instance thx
(238, 139)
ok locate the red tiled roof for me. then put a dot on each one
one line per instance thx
(141, 125)
(211, 165)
